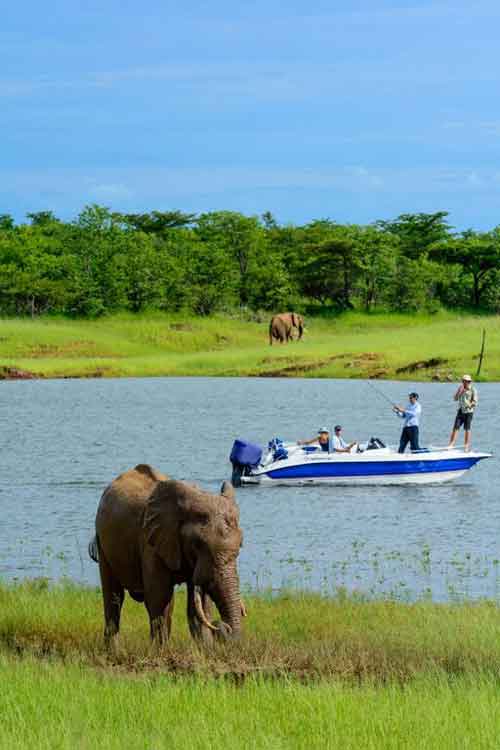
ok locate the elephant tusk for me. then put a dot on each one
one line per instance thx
(243, 608)
(200, 611)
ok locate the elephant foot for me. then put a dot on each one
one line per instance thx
(224, 631)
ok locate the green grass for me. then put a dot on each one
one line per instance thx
(298, 635)
(309, 672)
(352, 345)
(47, 706)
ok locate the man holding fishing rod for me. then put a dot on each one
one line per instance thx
(411, 415)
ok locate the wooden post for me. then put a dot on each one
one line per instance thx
(480, 363)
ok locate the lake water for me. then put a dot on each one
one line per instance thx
(64, 440)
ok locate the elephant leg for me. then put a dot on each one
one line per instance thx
(113, 594)
(159, 601)
(196, 628)
(168, 614)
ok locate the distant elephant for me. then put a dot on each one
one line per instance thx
(153, 533)
(280, 327)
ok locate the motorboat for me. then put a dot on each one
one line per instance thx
(371, 463)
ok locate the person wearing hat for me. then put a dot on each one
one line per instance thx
(411, 415)
(466, 395)
(323, 438)
(339, 444)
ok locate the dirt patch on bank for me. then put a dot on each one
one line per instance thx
(422, 364)
(351, 659)
(295, 368)
(72, 349)
(14, 373)
(291, 367)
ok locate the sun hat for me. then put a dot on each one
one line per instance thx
(322, 429)
(466, 377)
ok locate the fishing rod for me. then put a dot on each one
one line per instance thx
(380, 393)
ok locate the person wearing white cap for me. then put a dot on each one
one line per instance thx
(323, 438)
(466, 395)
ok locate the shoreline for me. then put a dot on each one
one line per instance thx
(354, 346)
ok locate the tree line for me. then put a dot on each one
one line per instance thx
(103, 262)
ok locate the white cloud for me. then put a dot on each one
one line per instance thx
(156, 185)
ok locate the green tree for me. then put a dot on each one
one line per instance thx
(42, 218)
(238, 237)
(478, 256)
(33, 267)
(155, 222)
(98, 273)
(417, 232)
(377, 259)
(6, 222)
(330, 263)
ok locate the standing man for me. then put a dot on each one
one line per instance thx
(411, 416)
(466, 395)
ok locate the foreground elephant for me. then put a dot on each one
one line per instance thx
(153, 533)
(280, 327)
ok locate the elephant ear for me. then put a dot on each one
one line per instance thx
(162, 521)
(294, 320)
(227, 490)
(150, 472)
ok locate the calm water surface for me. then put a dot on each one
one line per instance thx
(64, 440)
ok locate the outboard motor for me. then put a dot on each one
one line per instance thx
(244, 456)
(374, 443)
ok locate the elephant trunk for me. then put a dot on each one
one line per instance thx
(226, 595)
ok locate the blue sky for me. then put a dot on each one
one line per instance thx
(350, 110)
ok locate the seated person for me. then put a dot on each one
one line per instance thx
(323, 438)
(339, 444)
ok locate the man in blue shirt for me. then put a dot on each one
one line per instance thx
(411, 416)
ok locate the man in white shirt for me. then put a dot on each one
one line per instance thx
(411, 416)
(339, 445)
(467, 398)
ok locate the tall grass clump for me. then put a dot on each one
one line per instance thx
(306, 636)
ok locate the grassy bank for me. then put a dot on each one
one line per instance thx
(50, 706)
(353, 345)
(309, 672)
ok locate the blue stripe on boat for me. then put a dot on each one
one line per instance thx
(370, 468)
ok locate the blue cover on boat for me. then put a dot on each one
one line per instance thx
(280, 454)
(279, 451)
(247, 454)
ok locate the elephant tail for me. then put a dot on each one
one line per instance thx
(271, 334)
(94, 549)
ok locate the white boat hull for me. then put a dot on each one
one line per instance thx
(374, 467)
(435, 478)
